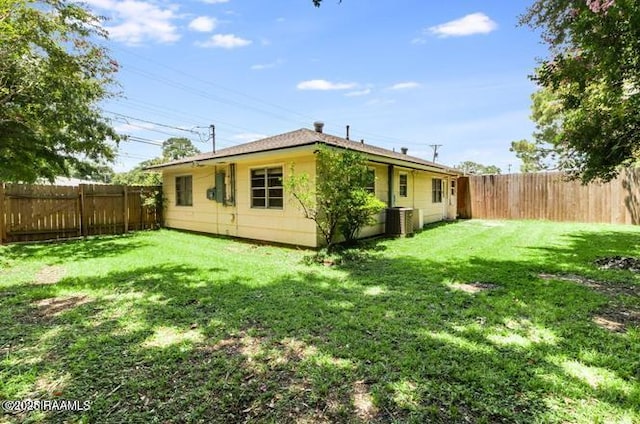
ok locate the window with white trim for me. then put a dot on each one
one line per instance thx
(266, 188)
(404, 185)
(371, 181)
(184, 190)
(436, 190)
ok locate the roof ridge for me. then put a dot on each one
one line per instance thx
(301, 137)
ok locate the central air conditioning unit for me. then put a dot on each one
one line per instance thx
(399, 222)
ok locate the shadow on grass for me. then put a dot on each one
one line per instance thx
(74, 250)
(378, 339)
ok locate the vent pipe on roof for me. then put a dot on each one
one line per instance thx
(347, 132)
(404, 150)
(318, 126)
(362, 141)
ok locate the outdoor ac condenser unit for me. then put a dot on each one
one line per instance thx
(399, 221)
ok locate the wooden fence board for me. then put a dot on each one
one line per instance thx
(43, 212)
(550, 196)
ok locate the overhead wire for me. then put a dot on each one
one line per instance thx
(222, 100)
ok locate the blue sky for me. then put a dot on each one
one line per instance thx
(401, 73)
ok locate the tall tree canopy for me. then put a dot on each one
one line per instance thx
(592, 81)
(470, 167)
(53, 73)
(177, 148)
(173, 148)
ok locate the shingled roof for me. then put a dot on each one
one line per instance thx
(303, 137)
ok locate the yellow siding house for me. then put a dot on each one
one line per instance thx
(238, 191)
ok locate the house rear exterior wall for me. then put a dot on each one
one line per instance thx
(419, 196)
(286, 225)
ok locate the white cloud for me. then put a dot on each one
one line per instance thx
(136, 22)
(215, 1)
(263, 66)
(405, 85)
(358, 93)
(224, 41)
(475, 23)
(203, 24)
(324, 85)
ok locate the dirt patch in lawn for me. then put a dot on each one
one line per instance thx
(473, 288)
(619, 262)
(50, 275)
(617, 319)
(615, 316)
(54, 306)
(610, 289)
(363, 401)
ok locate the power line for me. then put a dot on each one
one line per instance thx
(144, 140)
(221, 87)
(225, 101)
(204, 94)
(151, 122)
(159, 110)
(142, 127)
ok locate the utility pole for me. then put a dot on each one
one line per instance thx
(213, 136)
(435, 151)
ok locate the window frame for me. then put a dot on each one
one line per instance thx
(436, 190)
(405, 185)
(267, 197)
(371, 189)
(181, 189)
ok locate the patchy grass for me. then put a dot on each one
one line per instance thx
(476, 321)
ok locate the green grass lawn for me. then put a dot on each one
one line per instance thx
(477, 321)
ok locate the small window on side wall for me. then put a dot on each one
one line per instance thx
(436, 190)
(184, 190)
(404, 186)
(453, 187)
(371, 181)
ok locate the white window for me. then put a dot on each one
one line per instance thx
(404, 186)
(371, 181)
(184, 190)
(266, 188)
(436, 190)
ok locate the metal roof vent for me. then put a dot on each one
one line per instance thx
(318, 126)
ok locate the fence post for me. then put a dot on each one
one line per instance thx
(3, 234)
(83, 211)
(124, 210)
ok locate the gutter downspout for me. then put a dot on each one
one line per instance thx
(390, 172)
(215, 172)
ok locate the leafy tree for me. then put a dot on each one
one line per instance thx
(92, 171)
(470, 167)
(172, 149)
(337, 200)
(177, 148)
(593, 74)
(139, 176)
(529, 154)
(53, 74)
(541, 153)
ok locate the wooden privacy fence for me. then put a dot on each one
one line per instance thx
(44, 212)
(550, 196)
